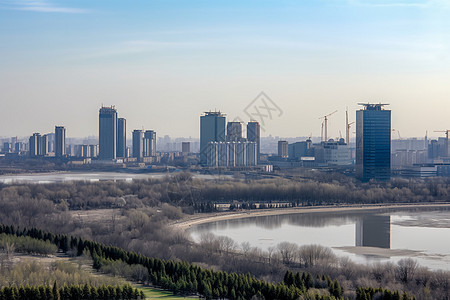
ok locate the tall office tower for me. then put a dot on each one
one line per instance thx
(51, 142)
(107, 133)
(33, 144)
(373, 142)
(60, 141)
(149, 143)
(43, 145)
(234, 131)
(254, 135)
(212, 129)
(121, 137)
(38, 145)
(186, 147)
(138, 144)
(283, 149)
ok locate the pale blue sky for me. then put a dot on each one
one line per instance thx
(164, 62)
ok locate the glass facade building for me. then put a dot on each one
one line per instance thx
(254, 135)
(121, 137)
(60, 141)
(373, 143)
(107, 133)
(138, 144)
(212, 129)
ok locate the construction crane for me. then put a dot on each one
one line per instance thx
(326, 124)
(321, 132)
(446, 139)
(398, 132)
(347, 128)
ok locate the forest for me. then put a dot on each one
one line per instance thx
(136, 217)
(179, 277)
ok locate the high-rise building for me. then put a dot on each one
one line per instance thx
(212, 129)
(149, 143)
(234, 131)
(60, 141)
(283, 149)
(51, 142)
(33, 144)
(121, 137)
(43, 145)
(107, 133)
(7, 147)
(38, 145)
(186, 147)
(138, 144)
(231, 154)
(254, 135)
(373, 142)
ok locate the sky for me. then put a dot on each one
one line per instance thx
(164, 62)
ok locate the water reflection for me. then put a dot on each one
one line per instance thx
(365, 236)
(373, 231)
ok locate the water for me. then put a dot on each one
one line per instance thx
(364, 236)
(83, 176)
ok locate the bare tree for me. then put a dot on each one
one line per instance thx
(405, 270)
(227, 244)
(287, 251)
(310, 255)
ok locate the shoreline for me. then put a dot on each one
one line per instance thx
(199, 219)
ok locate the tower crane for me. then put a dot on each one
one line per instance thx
(347, 128)
(326, 123)
(398, 132)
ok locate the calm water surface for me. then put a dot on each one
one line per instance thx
(422, 234)
(83, 176)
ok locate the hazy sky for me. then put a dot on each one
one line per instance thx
(162, 63)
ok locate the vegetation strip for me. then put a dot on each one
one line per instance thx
(185, 278)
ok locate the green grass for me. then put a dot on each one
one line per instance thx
(152, 293)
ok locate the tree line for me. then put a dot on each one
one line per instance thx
(71, 292)
(197, 194)
(185, 278)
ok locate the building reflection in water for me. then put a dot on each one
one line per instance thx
(374, 231)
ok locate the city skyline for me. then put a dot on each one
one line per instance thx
(165, 62)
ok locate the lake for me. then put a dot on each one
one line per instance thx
(366, 237)
(85, 176)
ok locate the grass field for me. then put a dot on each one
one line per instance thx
(151, 293)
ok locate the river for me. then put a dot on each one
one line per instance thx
(383, 235)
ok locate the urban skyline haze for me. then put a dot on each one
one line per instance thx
(163, 63)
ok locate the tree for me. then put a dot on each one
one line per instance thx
(406, 269)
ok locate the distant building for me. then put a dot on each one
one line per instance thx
(254, 135)
(212, 129)
(38, 145)
(298, 150)
(138, 144)
(231, 154)
(373, 143)
(60, 141)
(121, 137)
(107, 133)
(333, 153)
(234, 131)
(7, 146)
(149, 143)
(283, 149)
(186, 147)
(43, 144)
(50, 142)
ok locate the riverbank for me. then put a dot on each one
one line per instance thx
(198, 219)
